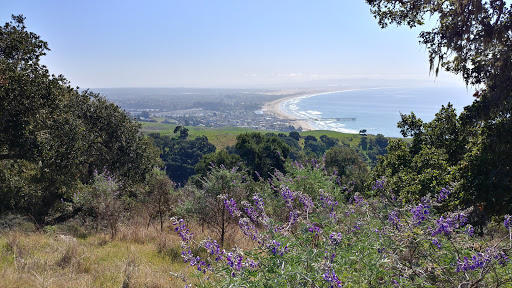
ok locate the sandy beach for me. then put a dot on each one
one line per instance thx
(273, 107)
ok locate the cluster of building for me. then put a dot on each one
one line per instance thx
(227, 117)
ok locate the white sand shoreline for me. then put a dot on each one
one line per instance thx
(275, 109)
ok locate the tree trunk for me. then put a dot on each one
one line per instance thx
(223, 227)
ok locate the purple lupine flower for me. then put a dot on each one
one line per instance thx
(478, 261)
(288, 196)
(379, 184)
(249, 230)
(214, 249)
(253, 264)
(250, 211)
(182, 230)
(420, 214)
(436, 242)
(306, 201)
(315, 229)
(258, 201)
(360, 201)
(294, 216)
(469, 230)
(508, 222)
(335, 238)
(277, 249)
(446, 225)
(332, 278)
(443, 194)
(327, 200)
(231, 207)
(394, 220)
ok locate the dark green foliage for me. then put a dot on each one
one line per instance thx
(472, 39)
(218, 159)
(182, 130)
(310, 138)
(364, 143)
(180, 156)
(262, 154)
(374, 147)
(424, 167)
(295, 135)
(488, 169)
(314, 146)
(329, 142)
(318, 147)
(157, 198)
(347, 164)
(52, 137)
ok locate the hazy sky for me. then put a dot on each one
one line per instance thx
(219, 43)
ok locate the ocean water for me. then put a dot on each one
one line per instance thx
(376, 109)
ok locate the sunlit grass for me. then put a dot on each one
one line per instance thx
(139, 256)
(36, 259)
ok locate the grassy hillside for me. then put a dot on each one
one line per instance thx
(225, 136)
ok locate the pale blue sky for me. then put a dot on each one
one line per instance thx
(219, 43)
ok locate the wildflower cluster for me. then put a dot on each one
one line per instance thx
(482, 260)
(233, 259)
(447, 224)
(420, 214)
(382, 236)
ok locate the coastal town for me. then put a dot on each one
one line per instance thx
(253, 109)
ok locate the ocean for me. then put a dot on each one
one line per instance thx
(375, 109)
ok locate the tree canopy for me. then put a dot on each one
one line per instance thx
(52, 136)
(470, 38)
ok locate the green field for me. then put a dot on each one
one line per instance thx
(226, 136)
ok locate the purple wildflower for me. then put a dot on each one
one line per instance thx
(335, 238)
(258, 201)
(294, 216)
(332, 278)
(249, 230)
(214, 249)
(379, 184)
(446, 225)
(315, 230)
(306, 201)
(359, 201)
(508, 222)
(231, 206)
(419, 214)
(394, 220)
(436, 242)
(443, 194)
(277, 249)
(182, 230)
(288, 197)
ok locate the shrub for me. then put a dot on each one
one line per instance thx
(328, 242)
(103, 197)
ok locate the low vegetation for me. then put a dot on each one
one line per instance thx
(85, 203)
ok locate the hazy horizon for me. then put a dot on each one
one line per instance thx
(222, 44)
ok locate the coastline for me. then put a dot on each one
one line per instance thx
(275, 109)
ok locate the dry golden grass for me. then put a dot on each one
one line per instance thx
(139, 256)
